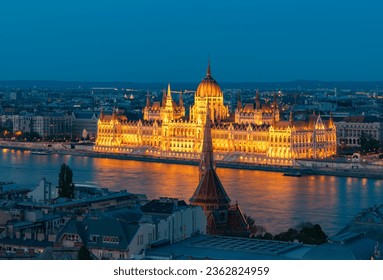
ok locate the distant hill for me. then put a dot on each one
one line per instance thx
(299, 84)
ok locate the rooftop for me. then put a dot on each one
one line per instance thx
(228, 248)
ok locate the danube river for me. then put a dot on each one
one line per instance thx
(275, 201)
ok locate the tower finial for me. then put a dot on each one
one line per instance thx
(181, 101)
(331, 121)
(169, 100)
(102, 113)
(208, 72)
(275, 101)
(169, 92)
(148, 99)
(239, 103)
(257, 102)
(163, 98)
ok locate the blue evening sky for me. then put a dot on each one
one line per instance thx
(171, 40)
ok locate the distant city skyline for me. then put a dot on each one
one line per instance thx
(158, 41)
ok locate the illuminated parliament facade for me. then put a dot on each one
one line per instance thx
(255, 134)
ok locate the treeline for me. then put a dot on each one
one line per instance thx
(306, 233)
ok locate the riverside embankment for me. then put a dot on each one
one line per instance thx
(330, 167)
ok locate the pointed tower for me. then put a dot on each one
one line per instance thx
(102, 114)
(163, 103)
(181, 102)
(167, 110)
(331, 121)
(239, 103)
(208, 71)
(148, 99)
(207, 159)
(319, 123)
(275, 105)
(257, 101)
(114, 114)
(210, 193)
(258, 117)
(291, 118)
(169, 100)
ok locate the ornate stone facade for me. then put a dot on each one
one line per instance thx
(257, 133)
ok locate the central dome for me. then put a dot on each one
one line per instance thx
(208, 87)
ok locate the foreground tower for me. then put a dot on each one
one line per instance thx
(210, 194)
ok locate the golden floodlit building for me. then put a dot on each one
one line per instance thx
(255, 134)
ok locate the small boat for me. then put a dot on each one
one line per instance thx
(39, 153)
(292, 174)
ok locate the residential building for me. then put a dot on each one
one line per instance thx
(174, 220)
(105, 238)
(50, 125)
(44, 192)
(84, 124)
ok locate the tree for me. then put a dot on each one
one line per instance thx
(265, 236)
(290, 235)
(66, 186)
(368, 143)
(306, 233)
(312, 235)
(251, 222)
(84, 253)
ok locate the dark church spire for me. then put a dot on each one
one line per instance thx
(207, 160)
(210, 193)
(211, 196)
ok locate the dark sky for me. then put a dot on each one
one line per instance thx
(171, 40)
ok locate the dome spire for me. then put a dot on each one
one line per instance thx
(208, 71)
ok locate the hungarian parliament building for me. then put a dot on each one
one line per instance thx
(255, 134)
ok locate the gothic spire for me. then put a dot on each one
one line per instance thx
(210, 193)
(257, 102)
(239, 103)
(163, 98)
(275, 101)
(291, 119)
(169, 101)
(148, 99)
(181, 102)
(331, 121)
(208, 72)
(207, 160)
(102, 114)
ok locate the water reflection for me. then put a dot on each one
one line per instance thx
(275, 201)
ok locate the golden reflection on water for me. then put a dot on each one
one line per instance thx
(275, 201)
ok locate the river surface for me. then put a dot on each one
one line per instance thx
(273, 200)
